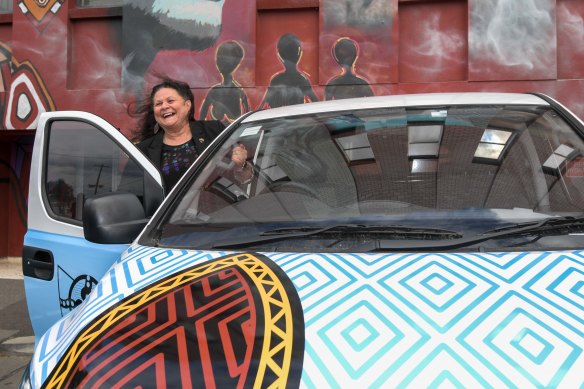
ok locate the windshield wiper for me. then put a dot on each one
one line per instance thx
(549, 226)
(339, 230)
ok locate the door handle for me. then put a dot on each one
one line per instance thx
(38, 263)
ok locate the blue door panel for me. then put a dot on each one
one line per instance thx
(70, 282)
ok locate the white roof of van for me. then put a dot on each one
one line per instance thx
(408, 100)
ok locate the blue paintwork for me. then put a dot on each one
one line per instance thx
(43, 296)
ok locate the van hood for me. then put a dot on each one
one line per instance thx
(194, 318)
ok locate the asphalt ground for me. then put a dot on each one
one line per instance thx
(16, 335)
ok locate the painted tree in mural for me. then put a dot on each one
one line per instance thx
(226, 101)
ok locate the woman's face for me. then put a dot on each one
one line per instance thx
(171, 110)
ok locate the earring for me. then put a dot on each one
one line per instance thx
(156, 128)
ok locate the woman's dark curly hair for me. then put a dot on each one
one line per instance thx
(145, 109)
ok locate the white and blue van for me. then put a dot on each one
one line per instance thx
(402, 241)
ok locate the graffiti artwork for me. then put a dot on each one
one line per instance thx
(181, 32)
(369, 25)
(512, 39)
(40, 12)
(226, 101)
(347, 84)
(154, 25)
(26, 97)
(291, 86)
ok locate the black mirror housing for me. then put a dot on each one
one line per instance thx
(113, 218)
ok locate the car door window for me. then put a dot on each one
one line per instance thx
(82, 161)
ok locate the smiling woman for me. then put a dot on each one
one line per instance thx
(169, 134)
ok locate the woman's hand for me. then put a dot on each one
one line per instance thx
(239, 155)
(243, 171)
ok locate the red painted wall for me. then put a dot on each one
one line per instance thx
(72, 59)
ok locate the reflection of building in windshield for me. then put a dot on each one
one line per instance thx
(423, 160)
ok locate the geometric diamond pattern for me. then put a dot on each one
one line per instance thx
(355, 340)
(560, 283)
(578, 289)
(441, 291)
(518, 339)
(436, 283)
(532, 345)
(359, 341)
(443, 368)
(386, 320)
(437, 286)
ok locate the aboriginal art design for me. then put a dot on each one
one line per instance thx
(231, 322)
(27, 96)
(370, 320)
(40, 12)
(73, 291)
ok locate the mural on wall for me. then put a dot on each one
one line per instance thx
(197, 42)
(291, 86)
(227, 100)
(433, 42)
(570, 30)
(227, 51)
(368, 23)
(151, 26)
(40, 12)
(348, 84)
(512, 40)
(25, 97)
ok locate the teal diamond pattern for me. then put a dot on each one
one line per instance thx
(446, 380)
(438, 290)
(349, 351)
(407, 319)
(437, 284)
(532, 346)
(513, 339)
(360, 334)
(578, 289)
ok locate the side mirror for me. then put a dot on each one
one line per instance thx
(113, 218)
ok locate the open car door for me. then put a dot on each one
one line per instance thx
(76, 156)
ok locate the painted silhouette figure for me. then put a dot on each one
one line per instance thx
(226, 101)
(290, 86)
(347, 84)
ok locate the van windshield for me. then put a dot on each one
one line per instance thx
(465, 169)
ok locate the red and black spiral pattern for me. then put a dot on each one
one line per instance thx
(208, 329)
